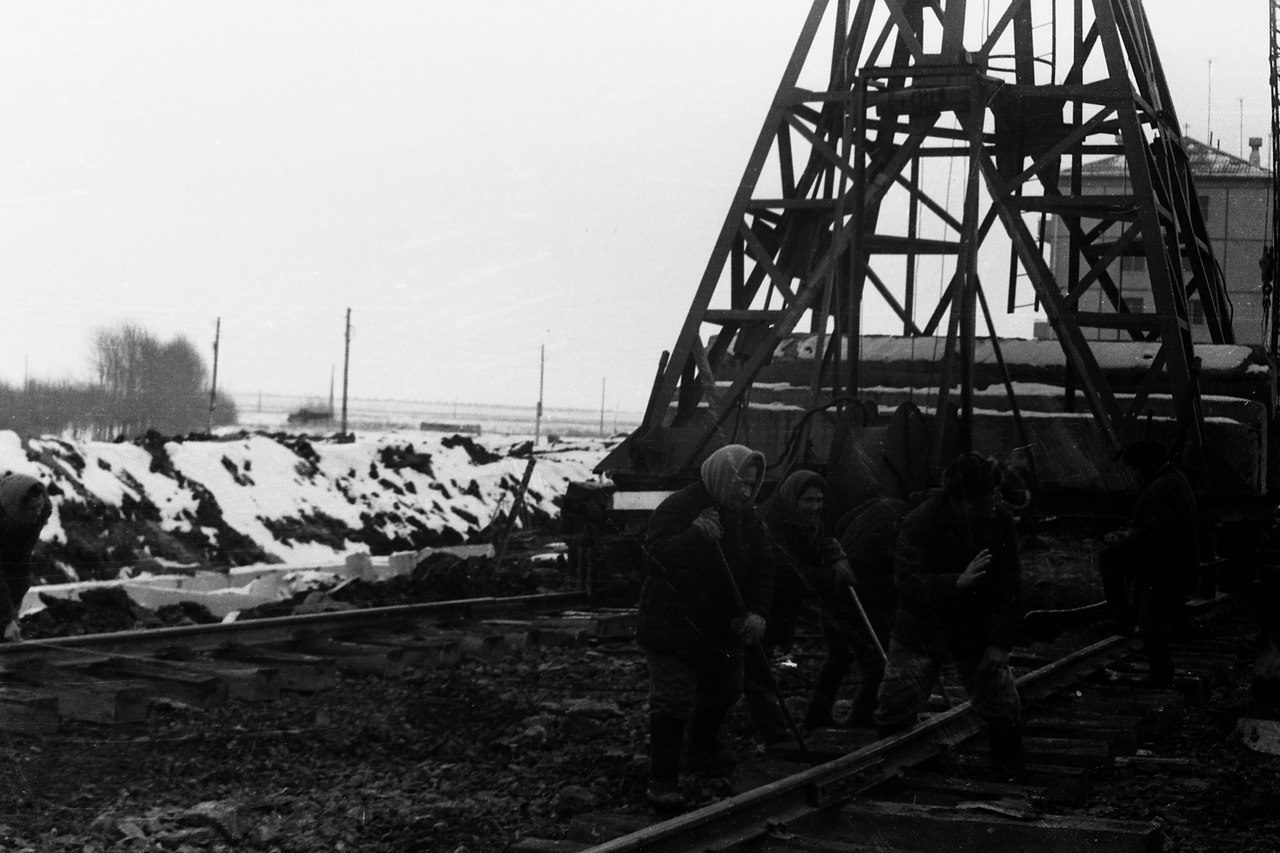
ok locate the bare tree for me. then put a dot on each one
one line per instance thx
(149, 384)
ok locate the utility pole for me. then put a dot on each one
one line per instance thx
(346, 365)
(213, 386)
(542, 369)
(602, 381)
(333, 369)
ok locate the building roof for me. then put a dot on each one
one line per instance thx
(1206, 162)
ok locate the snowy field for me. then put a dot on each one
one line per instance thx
(271, 411)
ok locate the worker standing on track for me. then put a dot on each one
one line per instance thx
(24, 509)
(689, 621)
(868, 535)
(959, 583)
(806, 565)
(1150, 564)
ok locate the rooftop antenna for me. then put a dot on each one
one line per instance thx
(1242, 128)
(1209, 106)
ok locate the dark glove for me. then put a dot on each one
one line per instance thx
(832, 550)
(844, 574)
(708, 525)
(749, 628)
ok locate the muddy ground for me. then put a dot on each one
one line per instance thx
(471, 757)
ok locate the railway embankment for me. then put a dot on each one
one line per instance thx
(193, 503)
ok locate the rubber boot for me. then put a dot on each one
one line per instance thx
(1008, 757)
(666, 738)
(1115, 588)
(862, 713)
(819, 714)
(768, 721)
(704, 750)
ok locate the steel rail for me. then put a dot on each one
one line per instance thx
(755, 813)
(276, 629)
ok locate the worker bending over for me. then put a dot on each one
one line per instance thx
(857, 629)
(24, 509)
(808, 566)
(959, 584)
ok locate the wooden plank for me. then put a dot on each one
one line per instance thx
(419, 652)
(245, 682)
(82, 697)
(354, 658)
(110, 702)
(826, 845)
(297, 672)
(1069, 751)
(917, 786)
(1065, 783)
(1139, 701)
(28, 711)
(959, 831)
(547, 845)
(163, 679)
(594, 827)
(1158, 764)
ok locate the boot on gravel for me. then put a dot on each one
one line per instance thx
(819, 714)
(666, 738)
(666, 798)
(1008, 757)
(704, 750)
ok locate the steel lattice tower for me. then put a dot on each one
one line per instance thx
(1015, 104)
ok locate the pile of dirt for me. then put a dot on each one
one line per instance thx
(103, 610)
(441, 576)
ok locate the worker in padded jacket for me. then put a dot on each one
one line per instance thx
(808, 566)
(958, 581)
(24, 509)
(1149, 565)
(690, 623)
(857, 630)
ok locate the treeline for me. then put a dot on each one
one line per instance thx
(140, 383)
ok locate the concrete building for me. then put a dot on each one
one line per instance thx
(1235, 200)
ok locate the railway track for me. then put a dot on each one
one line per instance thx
(1087, 714)
(111, 678)
(1086, 710)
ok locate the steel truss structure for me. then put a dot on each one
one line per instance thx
(1016, 107)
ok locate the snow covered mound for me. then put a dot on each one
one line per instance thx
(251, 498)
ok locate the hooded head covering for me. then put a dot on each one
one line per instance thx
(792, 488)
(783, 507)
(972, 475)
(15, 489)
(726, 472)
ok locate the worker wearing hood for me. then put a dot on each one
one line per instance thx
(24, 509)
(690, 624)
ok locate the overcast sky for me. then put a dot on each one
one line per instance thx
(472, 178)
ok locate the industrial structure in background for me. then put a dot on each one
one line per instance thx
(975, 144)
(1235, 202)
